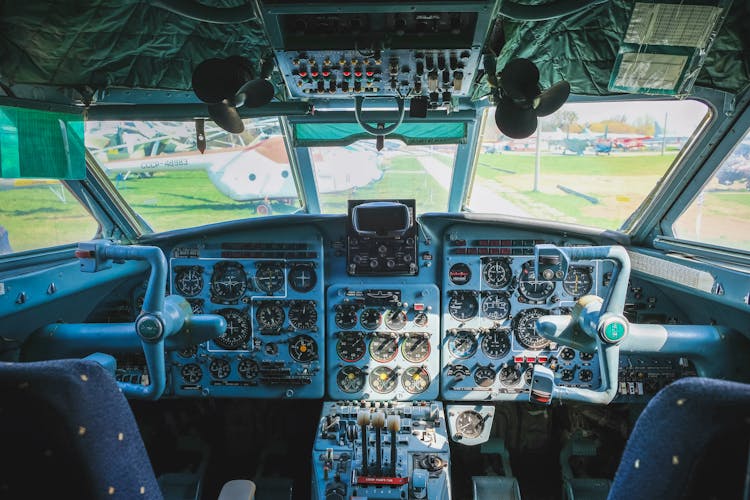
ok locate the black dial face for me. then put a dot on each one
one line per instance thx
(484, 376)
(531, 288)
(421, 319)
(524, 328)
(415, 379)
(578, 282)
(585, 375)
(567, 354)
(469, 424)
(458, 371)
(396, 319)
(219, 368)
(269, 278)
(303, 348)
(496, 273)
(509, 375)
(383, 347)
(586, 356)
(228, 282)
(495, 343)
(459, 274)
(196, 305)
(188, 281)
(303, 314)
(567, 375)
(463, 344)
(188, 352)
(351, 346)
(371, 318)
(191, 373)
(270, 316)
(238, 329)
(416, 347)
(496, 306)
(302, 277)
(383, 380)
(463, 306)
(346, 316)
(350, 379)
(248, 368)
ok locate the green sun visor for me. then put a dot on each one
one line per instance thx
(41, 144)
(410, 133)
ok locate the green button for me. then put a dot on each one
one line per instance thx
(614, 331)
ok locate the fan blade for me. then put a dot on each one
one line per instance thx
(226, 117)
(254, 94)
(552, 99)
(514, 121)
(520, 79)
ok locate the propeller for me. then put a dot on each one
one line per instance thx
(522, 100)
(228, 84)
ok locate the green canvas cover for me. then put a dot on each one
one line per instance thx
(342, 134)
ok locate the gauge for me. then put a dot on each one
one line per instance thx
(484, 376)
(302, 277)
(248, 368)
(303, 315)
(383, 380)
(524, 328)
(459, 274)
(463, 306)
(496, 273)
(586, 356)
(346, 316)
(531, 288)
(463, 344)
(421, 320)
(188, 281)
(350, 379)
(383, 347)
(196, 305)
(415, 379)
(458, 371)
(396, 320)
(585, 375)
(370, 318)
(270, 316)
(509, 375)
(351, 346)
(228, 282)
(269, 278)
(567, 375)
(219, 368)
(416, 347)
(303, 348)
(191, 373)
(495, 343)
(469, 424)
(567, 354)
(238, 329)
(496, 306)
(188, 352)
(578, 282)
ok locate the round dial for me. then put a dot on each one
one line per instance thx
(463, 306)
(303, 315)
(585, 375)
(396, 320)
(524, 328)
(421, 320)
(531, 288)
(459, 274)
(350, 379)
(238, 329)
(302, 277)
(248, 368)
(383, 347)
(463, 344)
(496, 306)
(219, 368)
(586, 356)
(416, 379)
(370, 318)
(269, 278)
(303, 348)
(458, 371)
(196, 305)
(495, 343)
(191, 373)
(484, 376)
(346, 316)
(416, 347)
(567, 375)
(567, 354)
(228, 281)
(509, 375)
(469, 424)
(496, 273)
(383, 380)
(188, 352)
(188, 281)
(270, 316)
(351, 346)
(578, 282)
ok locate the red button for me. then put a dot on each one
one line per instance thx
(303, 74)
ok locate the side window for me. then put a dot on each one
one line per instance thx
(720, 214)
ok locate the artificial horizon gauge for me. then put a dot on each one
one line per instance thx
(269, 278)
(495, 343)
(383, 379)
(383, 347)
(395, 319)
(303, 315)
(415, 380)
(524, 328)
(228, 282)
(496, 306)
(350, 379)
(302, 277)
(188, 281)
(469, 424)
(463, 306)
(219, 368)
(270, 316)
(191, 373)
(534, 290)
(496, 273)
(303, 348)
(463, 344)
(578, 281)
(346, 316)
(484, 376)
(370, 318)
(351, 346)
(238, 329)
(416, 347)
(248, 368)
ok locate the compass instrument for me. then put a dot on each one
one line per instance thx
(269, 277)
(496, 273)
(238, 329)
(524, 328)
(188, 281)
(228, 282)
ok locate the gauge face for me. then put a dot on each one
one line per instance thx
(383, 347)
(509, 375)
(303, 348)
(484, 376)
(459, 274)
(269, 278)
(496, 273)
(196, 305)
(302, 277)
(463, 306)
(567, 354)
(415, 380)
(585, 375)
(495, 343)
(228, 282)
(346, 316)
(578, 282)
(350, 379)
(219, 368)
(270, 317)
(396, 320)
(370, 318)
(458, 371)
(463, 344)
(586, 356)
(421, 319)
(191, 373)
(567, 375)
(238, 329)
(351, 346)
(531, 288)
(383, 380)
(248, 368)
(303, 314)
(496, 306)
(416, 347)
(188, 352)
(188, 281)
(524, 328)
(469, 424)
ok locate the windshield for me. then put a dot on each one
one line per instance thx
(591, 163)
